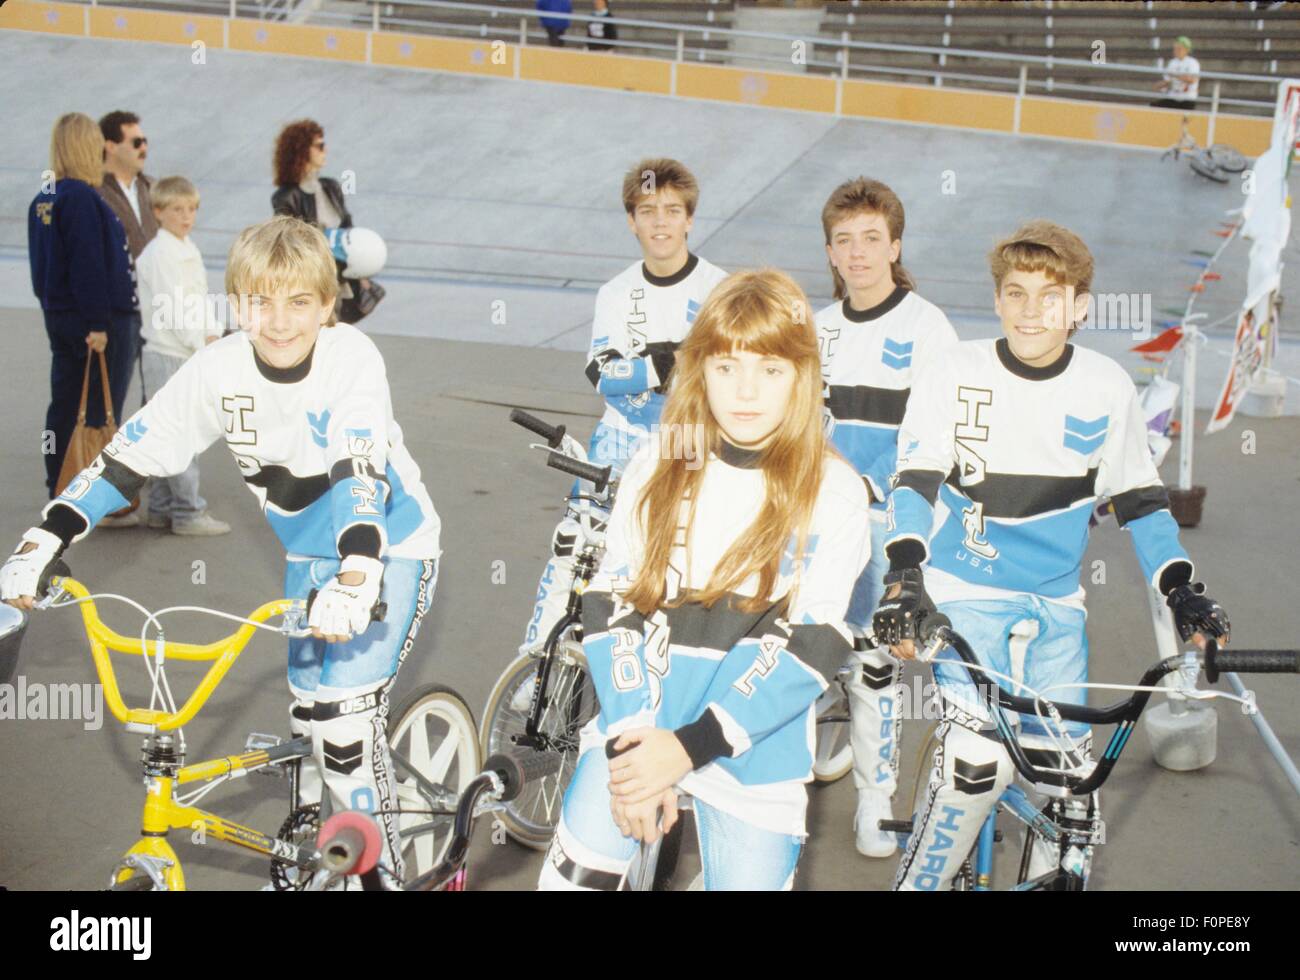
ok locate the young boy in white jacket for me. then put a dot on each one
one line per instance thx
(180, 319)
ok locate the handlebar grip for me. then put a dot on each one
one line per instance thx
(599, 475)
(928, 628)
(349, 843)
(518, 769)
(553, 434)
(57, 568)
(613, 753)
(1249, 661)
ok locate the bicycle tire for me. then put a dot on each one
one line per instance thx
(531, 818)
(419, 730)
(1227, 158)
(833, 759)
(1205, 166)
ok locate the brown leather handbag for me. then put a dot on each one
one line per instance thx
(87, 441)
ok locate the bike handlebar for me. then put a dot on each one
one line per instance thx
(598, 475)
(1123, 713)
(223, 652)
(553, 434)
(508, 771)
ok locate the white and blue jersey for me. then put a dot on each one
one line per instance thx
(869, 358)
(316, 444)
(1000, 464)
(737, 687)
(640, 320)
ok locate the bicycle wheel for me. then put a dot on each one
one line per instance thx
(834, 756)
(569, 704)
(434, 732)
(1206, 166)
(1227, 158)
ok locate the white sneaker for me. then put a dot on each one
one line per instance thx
(874, 806)
(205, 525)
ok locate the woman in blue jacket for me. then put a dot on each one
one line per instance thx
(81, 273)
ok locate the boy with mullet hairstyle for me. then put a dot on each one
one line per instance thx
(642, 315)
(1005, 447)
(873, 340)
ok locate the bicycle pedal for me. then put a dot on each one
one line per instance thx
(257, 742)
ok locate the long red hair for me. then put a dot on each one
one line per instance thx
(765, 312)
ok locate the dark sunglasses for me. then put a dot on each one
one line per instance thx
(318, 146)
(140, 141)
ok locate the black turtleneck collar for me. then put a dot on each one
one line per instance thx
(877, 311)
(742, 459)
(1027, 371)
(285, 376)
(691, 262)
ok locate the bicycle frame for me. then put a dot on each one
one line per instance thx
(163, 765)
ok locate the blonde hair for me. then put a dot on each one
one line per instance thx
(1044, 246)
(169, 190)
(866, 196)
(283, 252)
(652, 175)
(765, 312)
(77, 149)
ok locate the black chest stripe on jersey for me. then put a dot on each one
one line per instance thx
(287, 492)
(1132, 504)
(1021, 495)
(863, 403)
(719, 628)
(924, 482)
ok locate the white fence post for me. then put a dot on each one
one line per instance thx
(374, 15)
(1214, 114)
(1020, 95)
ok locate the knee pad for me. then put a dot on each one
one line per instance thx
(969, 773)
(875, 722)
(572, 866)
(309, 775)
(350, 745)
(567, 539)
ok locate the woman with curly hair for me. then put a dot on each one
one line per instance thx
(302, 193)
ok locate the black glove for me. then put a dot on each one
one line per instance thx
(1195, 612)
(902, 617)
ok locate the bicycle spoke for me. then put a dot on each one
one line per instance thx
(442, 759)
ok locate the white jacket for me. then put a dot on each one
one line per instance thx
(177, 310)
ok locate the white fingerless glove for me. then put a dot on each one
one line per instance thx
(21, 573)
(344, 610)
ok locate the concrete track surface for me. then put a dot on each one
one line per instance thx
(495, 193)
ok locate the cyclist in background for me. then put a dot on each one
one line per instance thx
(718, 610)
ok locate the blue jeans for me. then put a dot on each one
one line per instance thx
(175, 496)
(1040, 643)
(737, 856)
(374, 655)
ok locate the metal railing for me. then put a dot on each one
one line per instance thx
(803, 47)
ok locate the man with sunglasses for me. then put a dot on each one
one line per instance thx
(126, 189)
